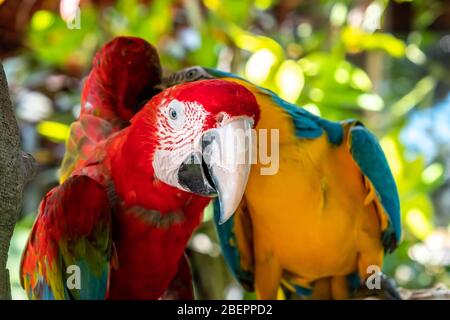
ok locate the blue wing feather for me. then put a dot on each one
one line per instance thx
(230, 252)
(367, 153)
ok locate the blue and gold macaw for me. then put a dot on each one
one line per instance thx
(331, 211)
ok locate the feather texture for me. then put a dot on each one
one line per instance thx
(72, 233)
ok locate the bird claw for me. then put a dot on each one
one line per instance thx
(389, 288)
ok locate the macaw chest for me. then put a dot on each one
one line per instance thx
(308, 213)
(149, 248)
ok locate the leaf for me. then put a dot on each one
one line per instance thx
(356, 40)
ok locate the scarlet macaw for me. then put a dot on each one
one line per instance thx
(131, 195)
(329, 213)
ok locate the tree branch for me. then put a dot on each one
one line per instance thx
(438, 292)
(16, 167)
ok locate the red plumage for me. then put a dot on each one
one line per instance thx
(124, 74)
(151, 221)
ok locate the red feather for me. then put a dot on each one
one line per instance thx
(124, 74)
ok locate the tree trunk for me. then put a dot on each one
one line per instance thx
(16, 168)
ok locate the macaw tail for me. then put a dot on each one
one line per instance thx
(124, 76)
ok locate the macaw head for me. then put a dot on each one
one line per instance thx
(189, 74)
(198, 139)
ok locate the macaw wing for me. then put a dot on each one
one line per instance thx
(69, 250)
(84, 135)
(235, 237)
(124, 73)
(368, 155)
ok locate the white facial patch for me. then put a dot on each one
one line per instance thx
(179, 132)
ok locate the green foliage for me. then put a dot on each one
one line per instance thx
(53, 45)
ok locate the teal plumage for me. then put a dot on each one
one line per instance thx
(370, 158)
(232, 257)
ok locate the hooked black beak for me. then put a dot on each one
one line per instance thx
(222, 167)
(194, 176)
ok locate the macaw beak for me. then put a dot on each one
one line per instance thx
(223, 166)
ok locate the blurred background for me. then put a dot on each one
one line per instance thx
(386, 63)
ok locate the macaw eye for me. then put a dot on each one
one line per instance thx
(173, 114)
(191, 74)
